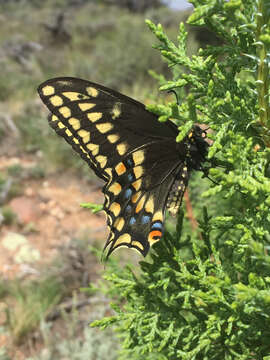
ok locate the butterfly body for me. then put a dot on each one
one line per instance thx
(143, 167)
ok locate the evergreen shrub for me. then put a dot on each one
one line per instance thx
(212, 302)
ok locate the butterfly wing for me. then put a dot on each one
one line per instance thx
(99, 122)
(126, 146)
(136, 196)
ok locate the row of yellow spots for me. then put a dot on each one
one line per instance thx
(58, 101)
(121, 169)
(94, 148)
(49, 90)
(85, 135)
(115, 188)
(149, 205)
(125, 239)
(103, 128)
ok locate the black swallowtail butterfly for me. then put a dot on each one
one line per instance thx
(145, 170)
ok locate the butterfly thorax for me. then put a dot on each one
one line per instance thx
(193, 149)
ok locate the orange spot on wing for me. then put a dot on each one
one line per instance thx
(120, 169)
(154, 235)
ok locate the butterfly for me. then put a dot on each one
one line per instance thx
(144, 169)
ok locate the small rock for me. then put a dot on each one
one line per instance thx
(13, 240)
(26, 209)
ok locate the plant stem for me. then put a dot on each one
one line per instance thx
(263, 70)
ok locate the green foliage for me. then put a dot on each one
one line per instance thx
(9, 217)
(95, 208)
(212, 301)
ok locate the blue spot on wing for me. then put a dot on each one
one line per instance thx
(129, 162)
(145, 219)
(128, 209)
(130, 177)
(132, 220)
(157, 225)
(128, 193)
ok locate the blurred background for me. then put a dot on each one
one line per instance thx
(45, 236)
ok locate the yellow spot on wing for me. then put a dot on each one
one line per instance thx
(68, 132)
(137, 184)
(86, 106)
(94, 116)
(74, 96)
(85, 135)
(113, 138)
(116, 111)
(119, 224)
(108, 171)
(71, 95)
(92, 91)
(115, 208)
(115, 188)
(138, 157)
(93, 148)
(83, 150)
(140, 204)
(48, 90)
(138, 171)
(138, 244)
(61, 125)
(149, 206)
(135, 197)
(125, 238)
(120, 168)
(104, 127)
(65, 111)
(158, 216)
(102, 160)
(54, 118)
(121, 148)
(109, 220)
(56, 100)
(75, 123)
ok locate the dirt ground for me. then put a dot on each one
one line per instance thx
(48, 215)
(48, 218)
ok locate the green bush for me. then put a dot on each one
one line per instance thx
(212, 302)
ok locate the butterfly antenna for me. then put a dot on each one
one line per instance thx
(205, 174)
(175, 93)
(213, 181)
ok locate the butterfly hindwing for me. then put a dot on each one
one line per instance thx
(137, 194)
